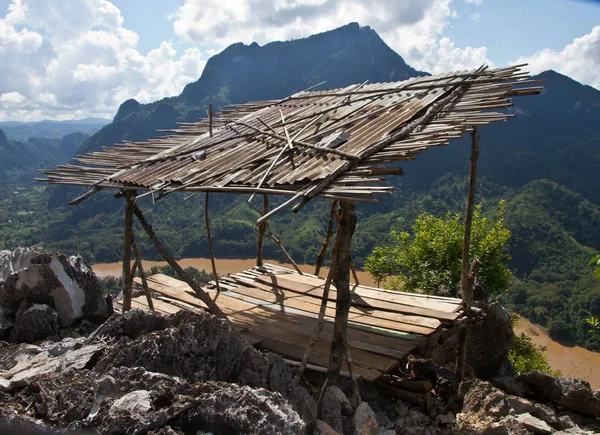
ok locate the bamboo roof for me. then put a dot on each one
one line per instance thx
(330, 144)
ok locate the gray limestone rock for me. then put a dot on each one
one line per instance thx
(365, 421)
(34, 322)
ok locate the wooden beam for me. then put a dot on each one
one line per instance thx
(278, 243)
(321, 255)
(127, 239)
(466, 290)
(344, 233)
(138, 262)
(209, 241)
(201, 294)
(262, 227)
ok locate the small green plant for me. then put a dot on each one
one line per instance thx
(525, 355)
(596, 261)
(594, 324)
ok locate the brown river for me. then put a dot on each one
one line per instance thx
(224, 266)
(571, 361)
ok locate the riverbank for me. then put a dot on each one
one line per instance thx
(572, 361)
(224, 266)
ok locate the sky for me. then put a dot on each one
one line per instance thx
(70, 59)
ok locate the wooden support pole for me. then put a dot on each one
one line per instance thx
(262, 227)
(354, 274)
(466, 279)
(201, 294)
(127, 237)
(138, 262)
(345, 230)
(210, 120)
(321, 255)
(466, 290)
(288, 256)
(210, 247)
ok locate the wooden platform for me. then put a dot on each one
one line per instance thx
(276, 309)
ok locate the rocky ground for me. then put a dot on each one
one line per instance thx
(143, 373)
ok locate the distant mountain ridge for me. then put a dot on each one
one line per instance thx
(51, 129)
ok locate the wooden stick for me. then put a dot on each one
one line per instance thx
(127, 238)
(138, 262)
(350, 365)
(354, 274)
(345, 231)
(321, 255)
(201, 294)
(210, 247)
(466, 290)
(262, 227)
(210, 120)
(278, 243)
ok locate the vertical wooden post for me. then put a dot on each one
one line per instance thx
(210, 119)
(210, 247)
(138, 261)
(202, 295)
(466, 290)
(262, 228)
(321, 255)
(345, 230)
(127, 237)
(466, 281)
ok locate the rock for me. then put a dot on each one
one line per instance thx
(29, 362)
(521, 406)
(135, 402)
(401, 409)
(41, 277)
(335, 405)
(384, 431)
(511, 385)
(534, 424)
(5, 321)
(134, 323)
(322, 428)
(572, 394)
(34, 323)
(198, 347)
(446, 419)
(469, 424)
(417, 418)
(484, 400)
(364, 421)
(489, 341)
(230, 408)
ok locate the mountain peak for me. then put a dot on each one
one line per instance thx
(3, 140)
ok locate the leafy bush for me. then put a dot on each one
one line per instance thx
(525, 356)
(432, 255)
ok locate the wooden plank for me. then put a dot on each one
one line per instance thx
(397, 297)
(357, 300)
(232, 305)
(316, 358)
(272, 322)
(423, 321)
(294, 300)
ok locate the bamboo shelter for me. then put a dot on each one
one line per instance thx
(336, 144)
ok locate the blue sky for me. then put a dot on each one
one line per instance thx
(74, 58)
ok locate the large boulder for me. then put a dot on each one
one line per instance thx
(572, 394)
(66, 284)
(34, 322)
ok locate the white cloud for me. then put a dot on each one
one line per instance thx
(412, 28)
(475, 2)
(74, 59)
(579, 59)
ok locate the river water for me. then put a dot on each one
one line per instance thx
(224, 266)
(571, 361)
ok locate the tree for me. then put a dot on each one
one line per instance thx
(431, 255)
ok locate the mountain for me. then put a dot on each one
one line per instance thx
(240, 73)
(19, 160)
(51, 129)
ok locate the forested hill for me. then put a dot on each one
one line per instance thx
(241, 73)
(20, 159)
